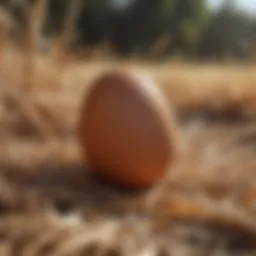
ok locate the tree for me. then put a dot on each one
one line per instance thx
(138, 27)
(188, 23)
(187, 26)
(94, 22)
(228, 33)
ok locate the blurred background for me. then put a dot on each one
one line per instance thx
(202, 55)
(209, 44)
(148, 29)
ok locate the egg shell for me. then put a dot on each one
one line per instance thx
(126, 130)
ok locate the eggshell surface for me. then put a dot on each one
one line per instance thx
(126, 129)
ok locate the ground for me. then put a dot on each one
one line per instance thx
(51, 205)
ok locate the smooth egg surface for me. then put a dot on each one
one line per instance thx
(127, 129)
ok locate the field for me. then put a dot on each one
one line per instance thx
(50, 205)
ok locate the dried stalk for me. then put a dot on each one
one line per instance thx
(5, 25)
(35, 18)
(66, 36)
(28, 113)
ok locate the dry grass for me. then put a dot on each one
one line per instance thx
(50, 205)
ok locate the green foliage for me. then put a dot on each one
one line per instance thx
(94, 21)
(57, 10)
(168, 8)
(192, 27)
(228, 34)
(191, 18)
(189, 33)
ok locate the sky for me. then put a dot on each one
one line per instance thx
(249, 5)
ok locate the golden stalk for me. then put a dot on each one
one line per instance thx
(34, 22)
(5, 25)
(67, 35)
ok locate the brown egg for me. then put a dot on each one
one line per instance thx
(126, 130)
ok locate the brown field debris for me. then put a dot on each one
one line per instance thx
(50, 205)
